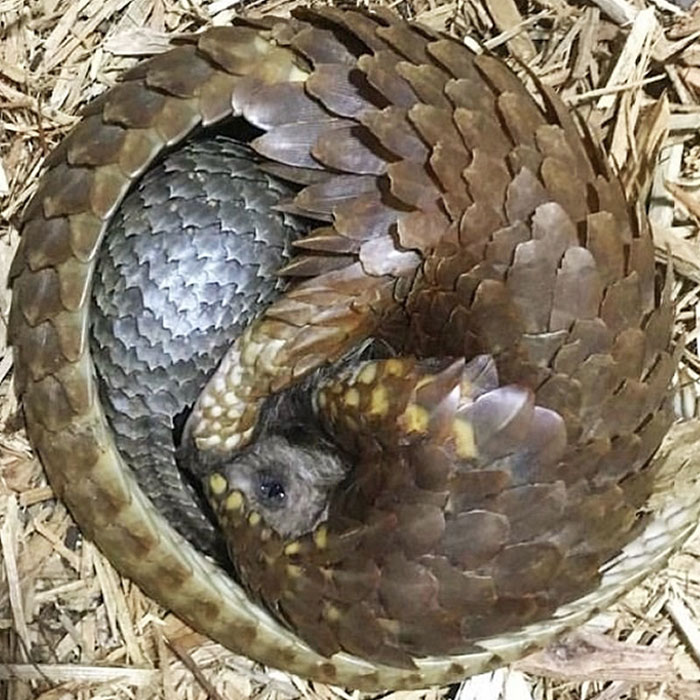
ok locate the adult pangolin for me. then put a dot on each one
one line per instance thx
(499, 480)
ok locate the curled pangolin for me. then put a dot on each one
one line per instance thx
(503, 473)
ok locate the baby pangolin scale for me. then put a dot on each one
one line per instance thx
(461, 217)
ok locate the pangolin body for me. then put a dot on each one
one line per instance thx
(188, 261)
(498, 464)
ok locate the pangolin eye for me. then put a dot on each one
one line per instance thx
(271, 491)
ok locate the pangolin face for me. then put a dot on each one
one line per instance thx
(287, 475)
(287, 480)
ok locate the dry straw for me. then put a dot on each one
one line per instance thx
(69, 626)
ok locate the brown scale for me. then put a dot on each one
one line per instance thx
(461, 217)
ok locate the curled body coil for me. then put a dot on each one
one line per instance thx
(461, 216)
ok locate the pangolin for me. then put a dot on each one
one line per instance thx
(498, 480)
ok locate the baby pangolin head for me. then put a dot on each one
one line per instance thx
(287, 480)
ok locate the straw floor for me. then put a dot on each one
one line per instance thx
(70, 627)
